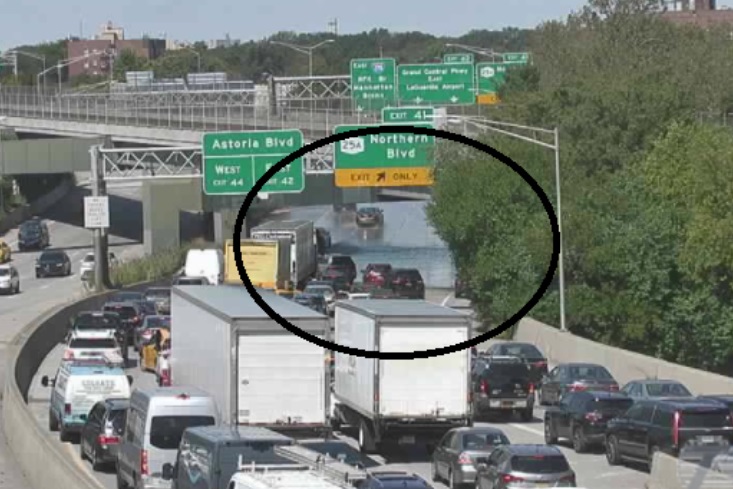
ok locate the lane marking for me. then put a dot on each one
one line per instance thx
(447, 298)
(527, 429)
(44, 287)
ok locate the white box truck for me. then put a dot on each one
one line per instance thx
(407, 401)
(303, 243)
(259, 373)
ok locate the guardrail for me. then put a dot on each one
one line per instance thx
(36, 451)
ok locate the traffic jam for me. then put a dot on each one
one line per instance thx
(239, 391)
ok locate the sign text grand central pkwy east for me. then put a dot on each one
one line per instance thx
(384, 160)
(234, 161)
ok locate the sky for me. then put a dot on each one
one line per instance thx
(34, 21)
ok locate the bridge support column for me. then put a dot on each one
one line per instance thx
(224, 225)
(163, 201)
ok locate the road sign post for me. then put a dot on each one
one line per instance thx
(96, 212)
(373, 84)
(383, 160)
(408, 115)
(437, 84)
(458, 58)
(234, 161)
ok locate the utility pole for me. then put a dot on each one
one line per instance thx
(99, 236)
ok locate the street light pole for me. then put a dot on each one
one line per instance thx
(492, 126)
(198, 58)
(41, 58)
(307, 50)
(60, 64)
(474, 49)
(2, 170)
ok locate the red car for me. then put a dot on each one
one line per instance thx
(376, 274)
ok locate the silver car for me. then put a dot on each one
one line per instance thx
(655, 389)
(461, 450)
(525, 466)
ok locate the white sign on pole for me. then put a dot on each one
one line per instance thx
(96, 212)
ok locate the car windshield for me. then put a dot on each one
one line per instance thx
(609, 405)
(88, 258)
(30, 229)
(96, 321)
(667, 390)
(590, 372)
(540, 464)
(318, 290)
(89, 344)
(481, 441)
(125, 312)
(4, 272)
(51, 257)
(507, 370)
(128, 297)
(117, 418)
(158, 294)
(166, 431)
(158, 322)
(521, 351)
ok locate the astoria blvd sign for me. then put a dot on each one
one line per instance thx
(234, 161)
(437, 83)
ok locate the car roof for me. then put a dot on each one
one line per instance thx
(534, 449)
(656, 381)
(478, 429)
(121, 304)
(687, 403)
(582, 364)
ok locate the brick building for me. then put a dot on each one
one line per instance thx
(107, 44)
(703, 13)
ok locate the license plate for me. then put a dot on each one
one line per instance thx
(407, 440)
(507, 403)
(542, 484)
(707, 439)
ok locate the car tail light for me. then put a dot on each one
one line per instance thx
(484, 387)
(508, 478)
(676, 429)
(613, 387)
(531, 388)
(136, 319)
(67, 409)
(144, 462)
(593, 416)
(577, 387)
(108, 440)
(539, 364)
(464, 459)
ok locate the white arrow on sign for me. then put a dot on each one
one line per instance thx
(418, 100)
(359, 108)
(454, 99)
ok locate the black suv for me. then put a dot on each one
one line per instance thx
(33, 235)
(503, 384)
(407, 283)
(344, 264)
(527, 352)
(53, 263)
(582, 417)
(691, 429)
(393, 480)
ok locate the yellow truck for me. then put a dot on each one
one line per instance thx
(266, 263)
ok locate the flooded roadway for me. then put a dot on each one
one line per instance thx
(405, 240)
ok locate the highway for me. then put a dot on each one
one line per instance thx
(404, 240)
(592, 469)
(39, 295)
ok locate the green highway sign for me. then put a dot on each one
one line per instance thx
(233, 161)
(408, 115)
(383, 160)
(373, 84)
(516, 58)
(490, 76)
(437, 83)
(458, 58)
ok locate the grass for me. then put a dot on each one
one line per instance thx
(157, 266)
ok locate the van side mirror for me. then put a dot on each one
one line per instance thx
(167, 472)
(130, 379)
(45, 381)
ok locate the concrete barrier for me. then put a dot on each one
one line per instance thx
(624, 365)
(35, 450)
(42, 204)
(670, 473)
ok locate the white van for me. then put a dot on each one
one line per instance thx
(77, 387)
(205, 263)
(155, 424)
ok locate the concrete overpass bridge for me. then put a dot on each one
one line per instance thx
(158, 137)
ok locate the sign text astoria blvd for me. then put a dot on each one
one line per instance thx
(234, 161)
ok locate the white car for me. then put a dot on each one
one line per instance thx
(87, 263)
(89, 348)
(9, 279)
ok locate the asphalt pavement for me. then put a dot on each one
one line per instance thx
(592, 469)
(65, 225)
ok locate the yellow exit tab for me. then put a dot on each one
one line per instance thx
(384, 177)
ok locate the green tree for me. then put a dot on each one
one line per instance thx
(128, 60)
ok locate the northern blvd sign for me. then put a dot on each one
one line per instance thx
(373, 83)
(383, 160)
(437, 83)
(234, 161)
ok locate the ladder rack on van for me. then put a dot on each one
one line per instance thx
(335, 469)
